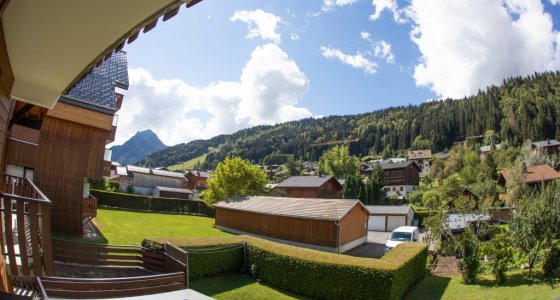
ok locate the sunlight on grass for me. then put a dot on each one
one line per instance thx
(130, 228)
(238, 287)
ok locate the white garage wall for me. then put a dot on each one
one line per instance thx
(376, 223)
(395, 221)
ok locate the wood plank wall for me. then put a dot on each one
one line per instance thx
(309, 231)
(354, 225)
(67, 153)
(81, 115)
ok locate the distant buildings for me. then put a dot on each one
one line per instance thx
(145, 180)
(311, 187)
(401, 178)
(422, 159)
(548, 146)
(533, 176)
(197, 180)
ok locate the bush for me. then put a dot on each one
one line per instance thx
(314, 273)
(149, 203)
(499, 251)
(550, 261)
(469, 252)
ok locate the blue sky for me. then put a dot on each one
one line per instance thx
(224, 65)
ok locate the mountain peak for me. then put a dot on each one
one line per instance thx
(137, 147)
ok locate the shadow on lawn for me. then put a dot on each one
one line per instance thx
(431, 287)
(518, 279)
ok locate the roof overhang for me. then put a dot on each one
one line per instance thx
(53, 44)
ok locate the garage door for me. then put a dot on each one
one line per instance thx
(395, 221)
(376, 223)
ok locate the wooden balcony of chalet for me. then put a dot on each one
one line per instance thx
(89, 208)
(106, 168)
(25, 134)
(26, 230)
(118, 103)
(111, 134)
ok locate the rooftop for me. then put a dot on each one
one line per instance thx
(175, 190)
(200, 173)
(536, 174)
(123, 171)
(419, 154)
(388, 209)
(398, 165)
(305, 181)
(320, 209)
(545, 143)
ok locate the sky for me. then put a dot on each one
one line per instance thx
(222, 65)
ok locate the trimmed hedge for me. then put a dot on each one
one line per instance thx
(318, 274)
(149, 203)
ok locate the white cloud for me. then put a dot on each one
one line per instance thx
(330, 4)
(268, 92)
(358, 61)
(468, 45)
(382, 49)
(294, 37)
(260, 24)
(554, 2)
(391, 6)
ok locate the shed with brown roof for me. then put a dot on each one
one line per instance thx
(311, 187)
(332, 225)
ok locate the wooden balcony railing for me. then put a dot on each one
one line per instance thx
(119, 101)
(111, 134)
(25, 224)
(89, 207)
(106, 168)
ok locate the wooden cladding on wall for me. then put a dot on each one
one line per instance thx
(81, 115)
(354, 225)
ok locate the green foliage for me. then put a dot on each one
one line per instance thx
(421, 143)
(415, 197)
(293, 166)
(338, 162)
(234, 176)
(314, 273)
(451, 186)
(276, 158)
(130, 189)
(535, 226)
(500, 253)
(149, 203)
(550, 261)
(432, 199)
(470, 264)
(354, 188)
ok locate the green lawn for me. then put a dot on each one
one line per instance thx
(188, 164)
(130, 228)
(517, 286)
(238, 287)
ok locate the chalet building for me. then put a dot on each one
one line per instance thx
(311, 187)
(145, 180)
(422, 159)
(47, 54)
(60, 148)
(485, 150)
(197, 180)
(548, 146)
(389, 217)
(332, 225)
(400, 179)
(534, 176)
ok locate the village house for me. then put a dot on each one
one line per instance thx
(548, 146)
(401, 178)
(465, 198)
(145, 180)
(197, 180)
(485, 150)
(324, 186)
(333, 225)
(167, 192)
(422, 159)
(534, 176)
(59, 149)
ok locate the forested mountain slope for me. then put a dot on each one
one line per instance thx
(521, 108)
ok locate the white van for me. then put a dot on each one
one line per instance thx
(401, 235)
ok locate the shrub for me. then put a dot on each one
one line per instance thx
(149, 203)
(499, 251)
(550, 261)
(318, 274)
(469, 252)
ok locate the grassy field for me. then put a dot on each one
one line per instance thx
(130, 228)
(188, 164)
(517, 286)
(238, 287)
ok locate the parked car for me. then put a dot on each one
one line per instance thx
(401, 235)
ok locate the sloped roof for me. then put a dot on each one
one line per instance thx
(167, 173)
(137, 169)
(122, 171)
(307, 208)
(419, 154)
(388, 209)
(536, 174)
(441, 155)
(175, 190)
(200, 174)
(489, 148)
(398, 165)
(306, 181)
(546, 143)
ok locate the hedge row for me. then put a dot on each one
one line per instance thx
(149, 203)
(314, 273)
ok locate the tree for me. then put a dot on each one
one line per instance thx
(293, 166)
(234, 176)
(432, 200)
(354, 188)
(375, 194)
(339, 163)
(499, 251)
(436, 169)
(536, 224)
(421, 143)
(451, 186)
(468, 249)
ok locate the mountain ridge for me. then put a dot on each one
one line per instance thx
(137, 147)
